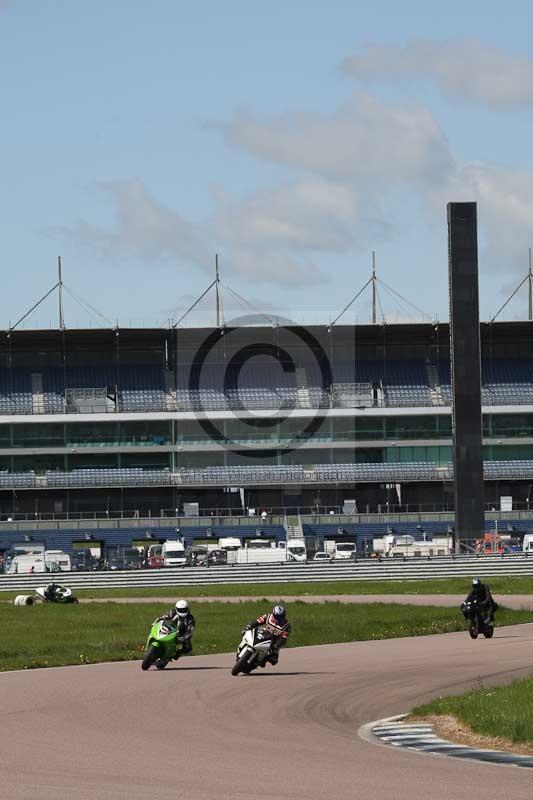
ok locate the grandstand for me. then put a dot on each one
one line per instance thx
(253, 417)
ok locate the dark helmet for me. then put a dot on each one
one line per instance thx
(279, 614)
(476, 584)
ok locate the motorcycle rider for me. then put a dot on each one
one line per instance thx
(481, 593)
(276, 623)
(51, 591)
(181, 617)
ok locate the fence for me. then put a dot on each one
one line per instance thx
(366, 570)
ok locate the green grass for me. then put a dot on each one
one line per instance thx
(54, 635)
(506, 711)
(499, 585)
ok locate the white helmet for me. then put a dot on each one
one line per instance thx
(182, 608)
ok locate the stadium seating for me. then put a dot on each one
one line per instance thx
(134, 476)
(261, 383)
(504, 382)
(19, 480)
(135, 388)
(402, 472)
(405, 384)
(238, 475)
(15, 391)
(233, 476)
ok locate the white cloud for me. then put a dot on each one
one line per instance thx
(348, 165)
(366, 141)
(143, 228)
(505, 212)
(465, 68)
(262, 237)
(310, 214)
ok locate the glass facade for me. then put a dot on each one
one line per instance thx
(247, 432)
(171, 443)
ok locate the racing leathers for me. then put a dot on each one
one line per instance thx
(51, 592)
(482, 594)
(185, 626)
(280, 633)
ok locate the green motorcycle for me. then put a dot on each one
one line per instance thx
(161, 646)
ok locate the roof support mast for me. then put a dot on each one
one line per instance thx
(374, 287)
(530, 280)
(60, 294)
(217, 288)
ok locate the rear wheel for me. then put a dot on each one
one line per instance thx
(161, 663)
(150, 657)
(488, 632)
(241, 665)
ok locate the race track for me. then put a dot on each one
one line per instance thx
(112, 732)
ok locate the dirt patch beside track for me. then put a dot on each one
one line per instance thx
(524, 601)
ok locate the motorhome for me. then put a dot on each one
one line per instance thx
(409, 547)
(61, 558)
(173, 553)
(229, 543)
(30, 564)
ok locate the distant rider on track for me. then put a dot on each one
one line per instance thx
(480, 592)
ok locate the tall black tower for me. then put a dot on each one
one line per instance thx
(466, 370)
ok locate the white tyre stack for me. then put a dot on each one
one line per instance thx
(24, 600)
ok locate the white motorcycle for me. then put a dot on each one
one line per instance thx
(252, 651)
(53, 593)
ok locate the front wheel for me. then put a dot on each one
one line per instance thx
(474, 630)
(241, 665)
(150, 657)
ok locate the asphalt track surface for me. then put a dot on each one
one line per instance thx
(112, 732)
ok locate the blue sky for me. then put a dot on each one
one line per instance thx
(138, 139)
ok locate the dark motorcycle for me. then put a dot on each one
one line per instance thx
(479, 621)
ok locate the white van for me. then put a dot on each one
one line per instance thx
(173, 553)
(257, 552)
(344, 551)
(61, 558)
(296, 550)
(527, 544)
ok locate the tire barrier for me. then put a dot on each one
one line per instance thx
(24, 600)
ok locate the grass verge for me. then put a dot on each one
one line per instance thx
(53, 635)
(502, 713)
(499, 585)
